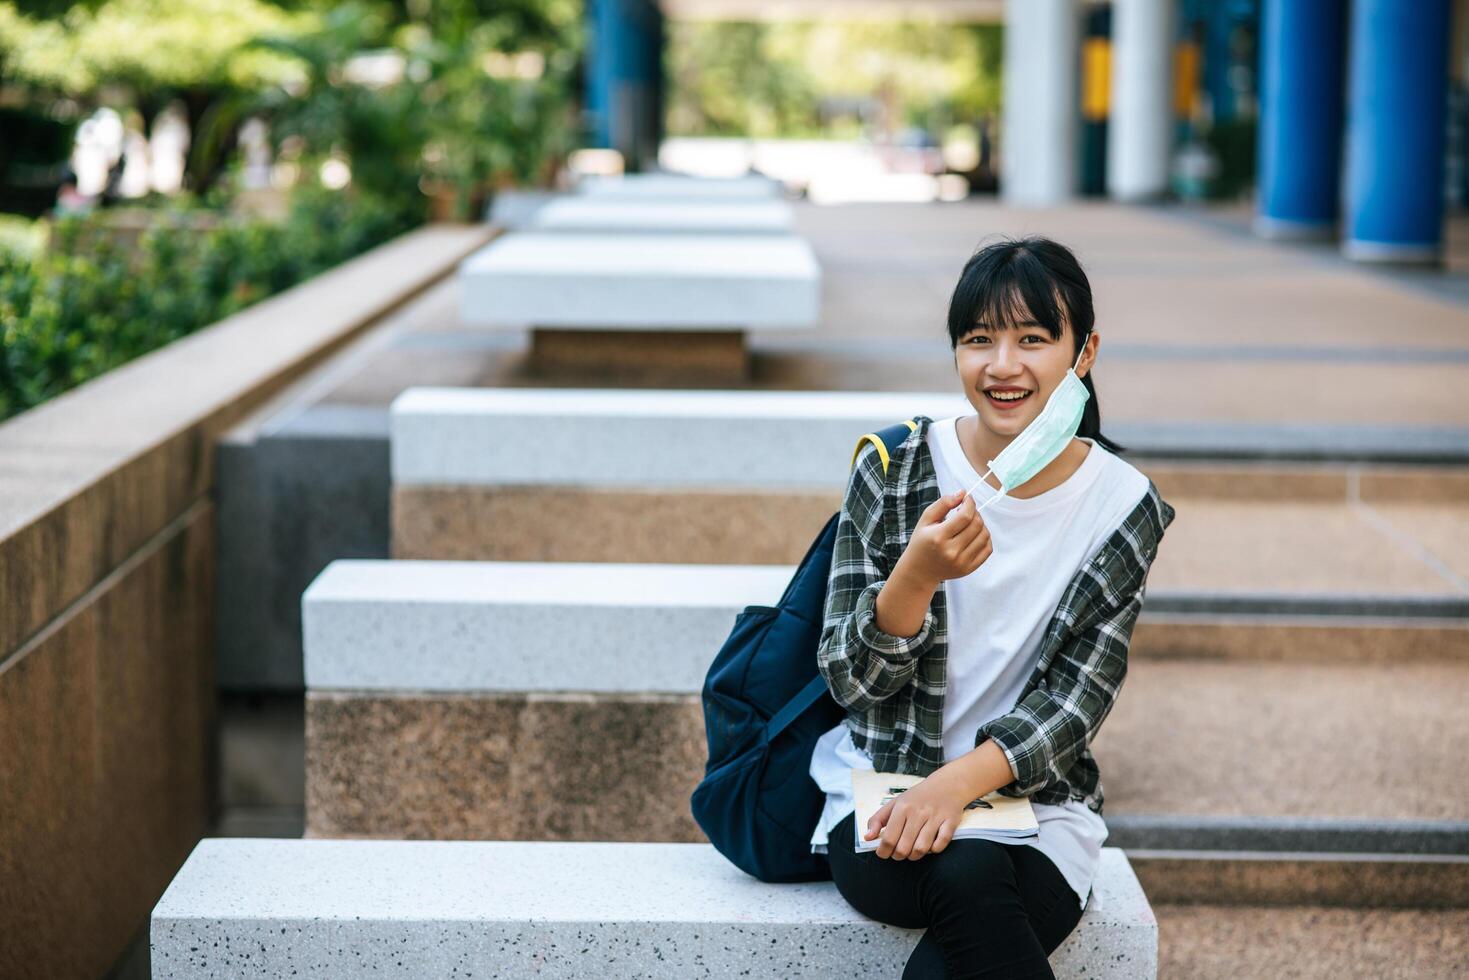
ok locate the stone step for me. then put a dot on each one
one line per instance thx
(1223, 942)
(1241, 738)
(441, 692)
(327, 909)
(642, 281)
(644, 308)
(679, 187)
(598, 215)
(1281, 878)
(743, 478)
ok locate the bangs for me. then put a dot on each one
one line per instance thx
(1002, 286)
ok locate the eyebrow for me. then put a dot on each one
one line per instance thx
(1017, 324)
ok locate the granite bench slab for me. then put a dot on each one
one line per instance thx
(593, 214)
(605, 438)
(645, 282)
(671, 186)
(412, 909)
(523, 626)
(717, 477)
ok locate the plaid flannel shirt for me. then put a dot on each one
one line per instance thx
(893, 687)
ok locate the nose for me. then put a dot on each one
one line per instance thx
(1006, 360)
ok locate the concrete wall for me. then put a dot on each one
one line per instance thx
(107, 582)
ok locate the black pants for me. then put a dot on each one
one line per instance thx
(992, 910)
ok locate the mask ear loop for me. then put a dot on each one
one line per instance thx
(970, 492)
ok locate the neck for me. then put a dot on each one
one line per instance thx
(980, 444)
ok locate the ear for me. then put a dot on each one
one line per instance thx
(1089, 353)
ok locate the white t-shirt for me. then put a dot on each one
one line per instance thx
(997, 617)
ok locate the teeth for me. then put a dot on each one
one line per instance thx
(1009, 397)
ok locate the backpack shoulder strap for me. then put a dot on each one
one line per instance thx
(883, 439)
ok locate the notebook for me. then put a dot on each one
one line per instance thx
(1007, 819)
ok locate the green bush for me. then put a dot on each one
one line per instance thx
(69, 314)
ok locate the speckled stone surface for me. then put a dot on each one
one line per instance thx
(1292, 548)
(337, 909)
(524, 626)
(644, 281)
(749, 188)
(1271, 878)
(590, 213)
(1218, 942)
(1240, 738)
(504, 767)
(695, 525)
(608, 438)
(1337, 639)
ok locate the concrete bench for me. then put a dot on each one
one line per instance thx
(637, 476)
(594, 214)
(514, 700)
(654, 307)
(406, 909)
(679, 186)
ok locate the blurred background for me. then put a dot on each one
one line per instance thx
(219, 126)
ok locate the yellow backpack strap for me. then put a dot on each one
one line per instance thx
(880, 439)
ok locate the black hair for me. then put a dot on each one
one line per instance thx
(1033, 278)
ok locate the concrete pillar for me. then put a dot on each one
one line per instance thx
(1302, 95)
(1096, 96)
(1140, 136)
(624, 78)
(1039, 140)
(1395, 138)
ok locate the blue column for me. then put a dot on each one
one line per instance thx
(624, 77)
(1302, 69)
(1396, 130)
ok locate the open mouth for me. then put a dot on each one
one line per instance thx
(1006, 399)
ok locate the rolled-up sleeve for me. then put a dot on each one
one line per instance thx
(1052, 725)
(862, 664)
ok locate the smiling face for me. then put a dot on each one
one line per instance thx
(1009, 370)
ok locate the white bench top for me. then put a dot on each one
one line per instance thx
(523, 626)
(695, 439)
(642, 186)
(593, 214)
(642, 281)
(411, 909)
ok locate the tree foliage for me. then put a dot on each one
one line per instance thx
(145, 46)
(776, 78)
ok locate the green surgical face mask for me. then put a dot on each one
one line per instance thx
(1043, 439)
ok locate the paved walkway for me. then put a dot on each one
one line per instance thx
(1199, 323)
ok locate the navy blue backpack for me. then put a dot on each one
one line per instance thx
(765, 705)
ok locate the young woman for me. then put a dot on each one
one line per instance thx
(983, 650)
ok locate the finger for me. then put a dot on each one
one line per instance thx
(976, 555)
(963, 549)
(891, 835)
(923, 843)
(877, 821)
(911, 827)
(968, 533)
(942, 838)
(939, 509)
(960, 519)
(963, 514)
